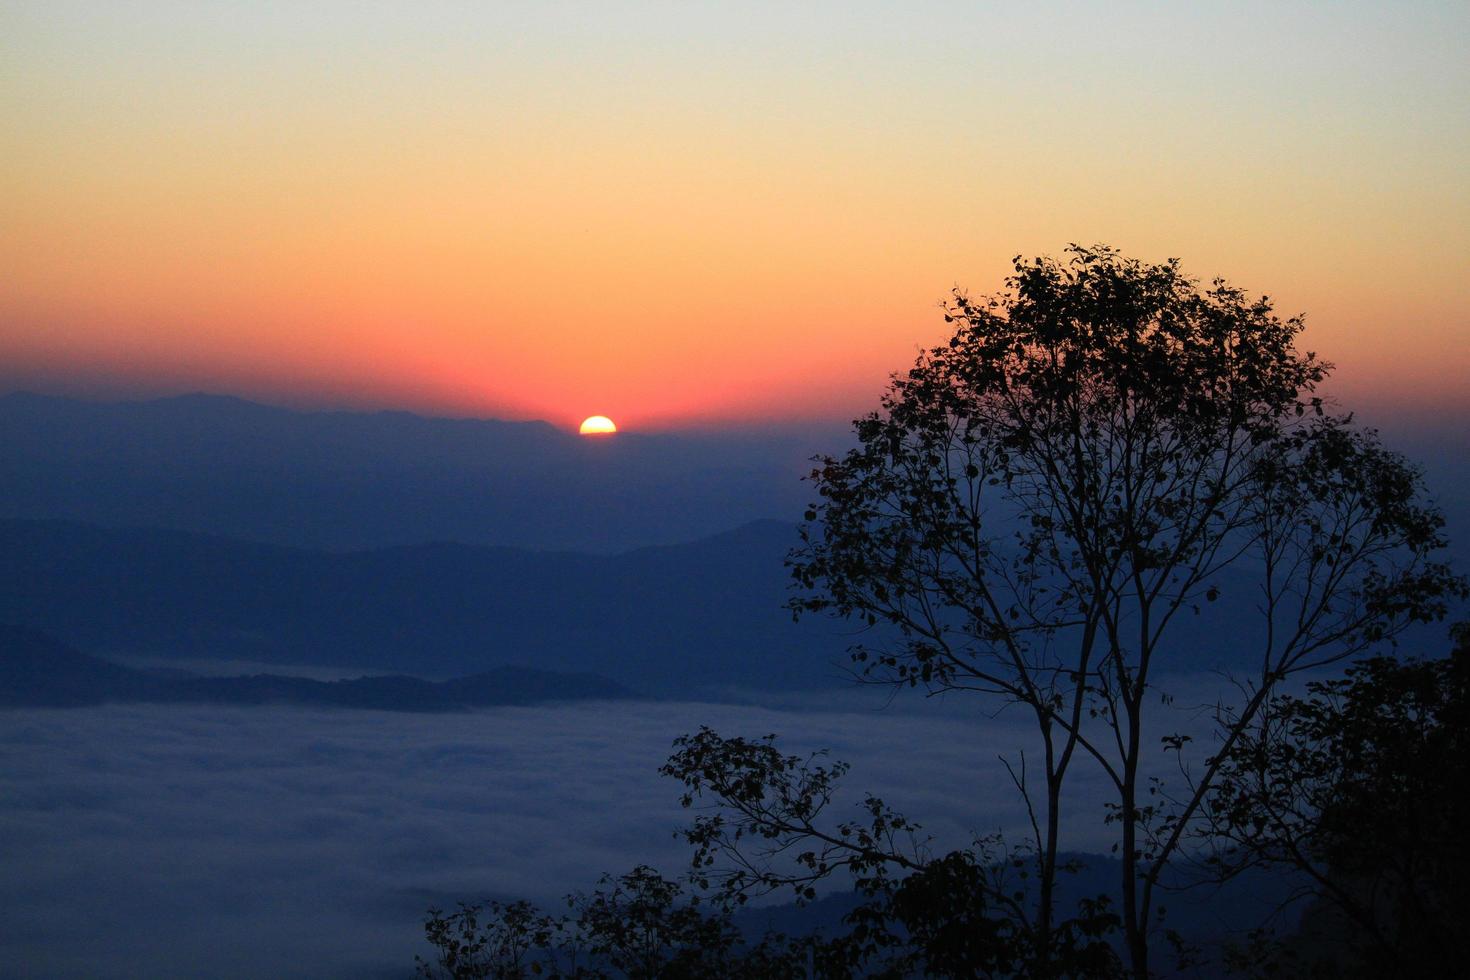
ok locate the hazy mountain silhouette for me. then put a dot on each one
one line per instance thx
(321, 487)
(696, 619)
(37, 670)
(351, 480)
(678, 619)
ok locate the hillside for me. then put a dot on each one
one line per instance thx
(354, 480)
(682, 619)
(694, 620)
(38, 671)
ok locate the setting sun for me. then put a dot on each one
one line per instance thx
(598, 425)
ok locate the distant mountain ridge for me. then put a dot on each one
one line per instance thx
(341, 480)
(36, 670)
(681, 619)
(705, 619)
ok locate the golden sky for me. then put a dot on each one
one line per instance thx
(681, 213)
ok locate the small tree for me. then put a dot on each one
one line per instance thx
(636, 926)
(1096, 453)
(493, 941)
(1358, 787)
(764, 826)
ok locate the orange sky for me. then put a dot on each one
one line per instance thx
(680, 214)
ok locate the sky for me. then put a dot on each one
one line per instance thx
(682, 214)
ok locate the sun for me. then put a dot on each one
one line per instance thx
(598, 425)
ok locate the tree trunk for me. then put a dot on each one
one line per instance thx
(1134, 930)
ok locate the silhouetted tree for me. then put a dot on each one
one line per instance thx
(493, 941)
(763, 826)
(1359, 787)
(1096, 451)
(639, 926)
(947, 917)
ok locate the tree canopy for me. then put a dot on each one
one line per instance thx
(1097, 452)
(1034, 515)
(1358, 785)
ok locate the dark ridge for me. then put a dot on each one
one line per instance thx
(38, 671)
(349, 480)
(688, 619)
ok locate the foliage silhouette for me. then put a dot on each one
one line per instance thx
(1358, 786)
(936, 921)
(639, 925)
(762, 826)
(1097, 452)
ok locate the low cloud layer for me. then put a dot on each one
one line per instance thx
(179, 841)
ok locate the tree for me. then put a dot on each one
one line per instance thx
(1096, 453)
(1032, 516)
(960, 915)
(1358, 787)
(954, 916)
(764, 826)
(639, 926)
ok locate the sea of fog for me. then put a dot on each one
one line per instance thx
(188, 840)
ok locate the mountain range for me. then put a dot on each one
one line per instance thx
(688, 619)
(355, 480)
(209, 528)
(36, 670)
